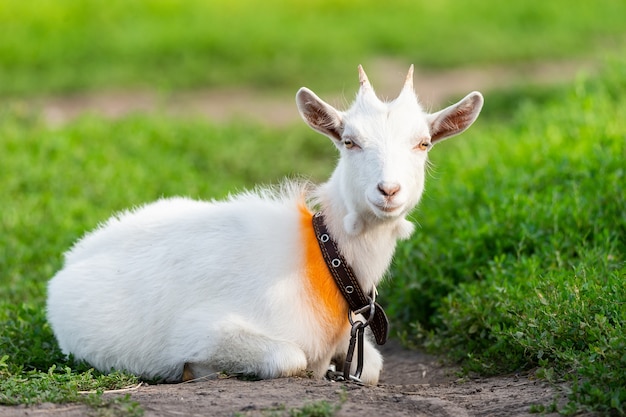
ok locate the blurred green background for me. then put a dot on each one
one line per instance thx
(60, 46)
(518, 263)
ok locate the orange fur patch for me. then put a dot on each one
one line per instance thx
(323, 294)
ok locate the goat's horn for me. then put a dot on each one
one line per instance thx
(408, 83)
(365, 82)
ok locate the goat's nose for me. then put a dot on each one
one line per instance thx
(388, 189)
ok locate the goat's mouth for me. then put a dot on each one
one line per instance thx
(385, 209)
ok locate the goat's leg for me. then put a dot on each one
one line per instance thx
(241, 350)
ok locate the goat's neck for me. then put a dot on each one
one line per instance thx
(370, 251)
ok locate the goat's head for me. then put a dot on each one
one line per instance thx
(383, 146)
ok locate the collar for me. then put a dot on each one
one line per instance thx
(348, 284)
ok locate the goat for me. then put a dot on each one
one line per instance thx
(181, 289)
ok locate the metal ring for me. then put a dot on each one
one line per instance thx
(324, 238)
(372, 311)
(335, 262)
(349, 289)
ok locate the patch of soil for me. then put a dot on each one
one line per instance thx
(435, 89)
(412, 384)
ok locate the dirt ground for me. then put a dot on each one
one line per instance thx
(435, 89)
(412, 384)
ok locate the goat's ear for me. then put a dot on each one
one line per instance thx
(456, 118)
(319, 115)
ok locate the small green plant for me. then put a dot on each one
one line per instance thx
(321, 408)
(316, 409)
(121, 406)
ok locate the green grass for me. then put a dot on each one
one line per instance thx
(33, 369)
(520, 261)
(58, 183)
(47, 46)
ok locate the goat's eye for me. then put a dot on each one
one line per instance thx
(424, 145)
(349, 143)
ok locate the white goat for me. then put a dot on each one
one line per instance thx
(240, 285)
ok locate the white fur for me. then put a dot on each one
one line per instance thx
(220, 285)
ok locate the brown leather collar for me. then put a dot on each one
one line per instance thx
(347, 282)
